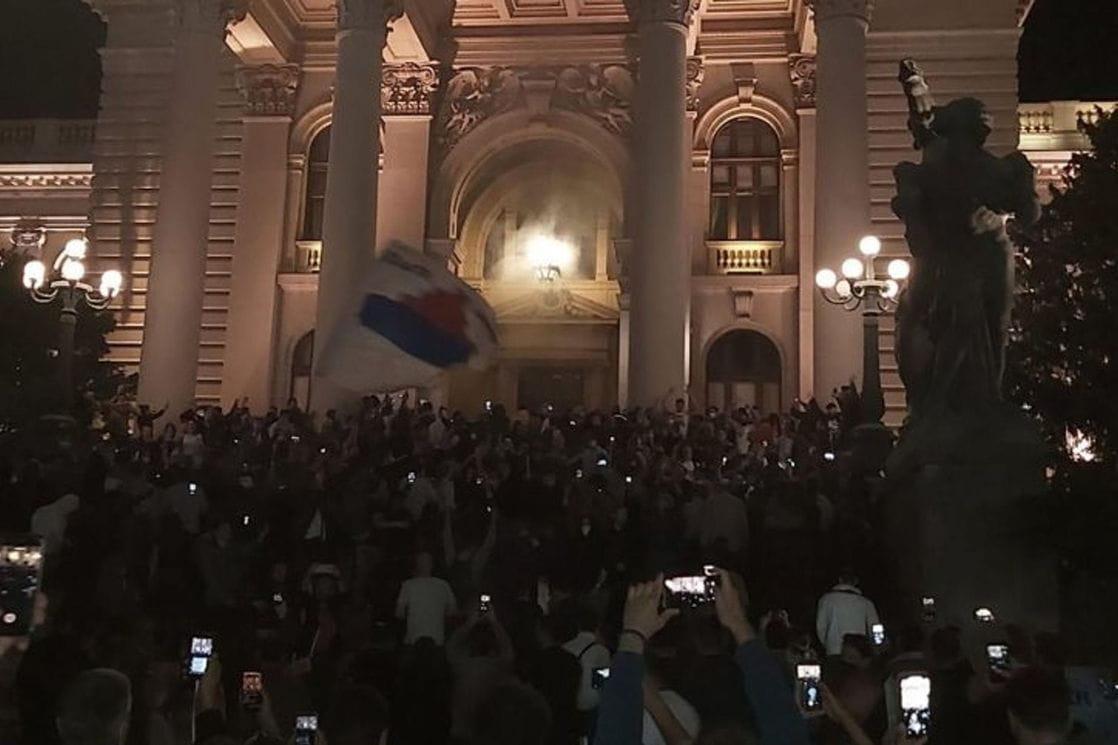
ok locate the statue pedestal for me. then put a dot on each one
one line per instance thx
(965, 523)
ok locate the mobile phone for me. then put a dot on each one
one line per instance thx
(928, 608)
(628, 479)
(245, 520)
(692, 591)
(193, 488)
(483, 603)
(578, 473)
(877, 634)
(602, 462)
(997, 657)
(828, 456)
(983, 615)
(411, 477)
(198, 658)
(306, 725)
(21, 560)
(809, 690)
(489, 406)
(916, 710)
(598, 677)
(252, 689)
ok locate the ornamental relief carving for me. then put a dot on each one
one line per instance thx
(826, 9)
(802, 69)
(695, 74)
(601, 92)
(268, 90)
(408, 88)
(662, 11)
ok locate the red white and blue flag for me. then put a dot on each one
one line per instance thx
(413, 320)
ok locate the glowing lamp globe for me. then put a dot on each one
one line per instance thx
(34, 274)
(899, 269)
(111, 282)
(825, 279)
(72, 270)
(75, 248)
(870, 245)
(852, 268)
(844, 288)
(891, 289)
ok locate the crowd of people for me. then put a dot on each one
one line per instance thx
(409, 575)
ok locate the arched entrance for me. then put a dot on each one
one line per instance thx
(743, 369)
(302, 366)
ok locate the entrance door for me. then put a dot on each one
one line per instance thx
(743, 369)
(561, 387)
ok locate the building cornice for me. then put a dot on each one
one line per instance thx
(46, 176)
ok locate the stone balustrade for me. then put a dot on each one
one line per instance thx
(744, 257)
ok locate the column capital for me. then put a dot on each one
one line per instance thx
(662, 11)
(407, 88)
(825, 10)
(802, 69)
(371, 15)
(211, 14)
(269, 90)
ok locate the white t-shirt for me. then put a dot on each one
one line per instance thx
(684, 713)
(425, 603)
(49, 521)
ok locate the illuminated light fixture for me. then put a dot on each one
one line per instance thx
(899, 269)
(825, 279)
(870, 245)
(34, 274)
(73, 270)
(853, 268)
(1080, 446)
(548, 255)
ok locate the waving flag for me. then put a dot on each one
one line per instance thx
(413, 319)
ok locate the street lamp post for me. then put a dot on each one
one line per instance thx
(65, 283)
(861, 287)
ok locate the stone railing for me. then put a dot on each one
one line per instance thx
(307, 258)
(1055, 125)
(744, 257)
(47, 140)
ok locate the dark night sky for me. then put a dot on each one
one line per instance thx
(49, 65)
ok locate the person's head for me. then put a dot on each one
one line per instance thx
(848, 577)
(857, 650)
(512, 714)
(1037, 706)
(94, 708)
(424, 564)
(358, 715)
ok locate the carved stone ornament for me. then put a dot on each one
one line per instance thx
(473, 94)
(407, 88)
(269, 90)
(826, 9)
(802, 69)
(363, 14)
(28, 238)
(695, 74)
(662, 11)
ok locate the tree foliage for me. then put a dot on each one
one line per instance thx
(29, 352)
(1063, 354)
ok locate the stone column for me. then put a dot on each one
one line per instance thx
(269, 92)
(406, 92)
(173, 316)
(802, 70)
(842, 177)
(349, 222)
(660, 276)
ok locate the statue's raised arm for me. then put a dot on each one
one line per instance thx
(921, 104)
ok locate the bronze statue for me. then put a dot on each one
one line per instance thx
(952, 320)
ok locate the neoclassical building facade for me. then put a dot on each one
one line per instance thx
(699, 159)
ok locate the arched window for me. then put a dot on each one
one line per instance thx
(318, 157)
(302, 365)
(743, 369)
(745, 182)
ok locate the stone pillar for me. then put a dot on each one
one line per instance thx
(269, 92)
(349, 224)
(802, 70)
(406, 92)
(842, 177)
(660, 276)
(173, 316)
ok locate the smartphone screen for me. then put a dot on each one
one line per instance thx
(21, 560)
(692, 591)
(483, 603)
(598, 677)
(810, 691)
(916, 693)
(252, 689)
(305, 727)
(983, 615)
(877, 632)
(997, 657)
(201, 649)
(928, 605)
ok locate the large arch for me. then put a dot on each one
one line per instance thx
(765, 339)
(759, 106)
(470, 156)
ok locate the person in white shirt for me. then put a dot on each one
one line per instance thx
(49, 521)
(844, 610)
(424, 603)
